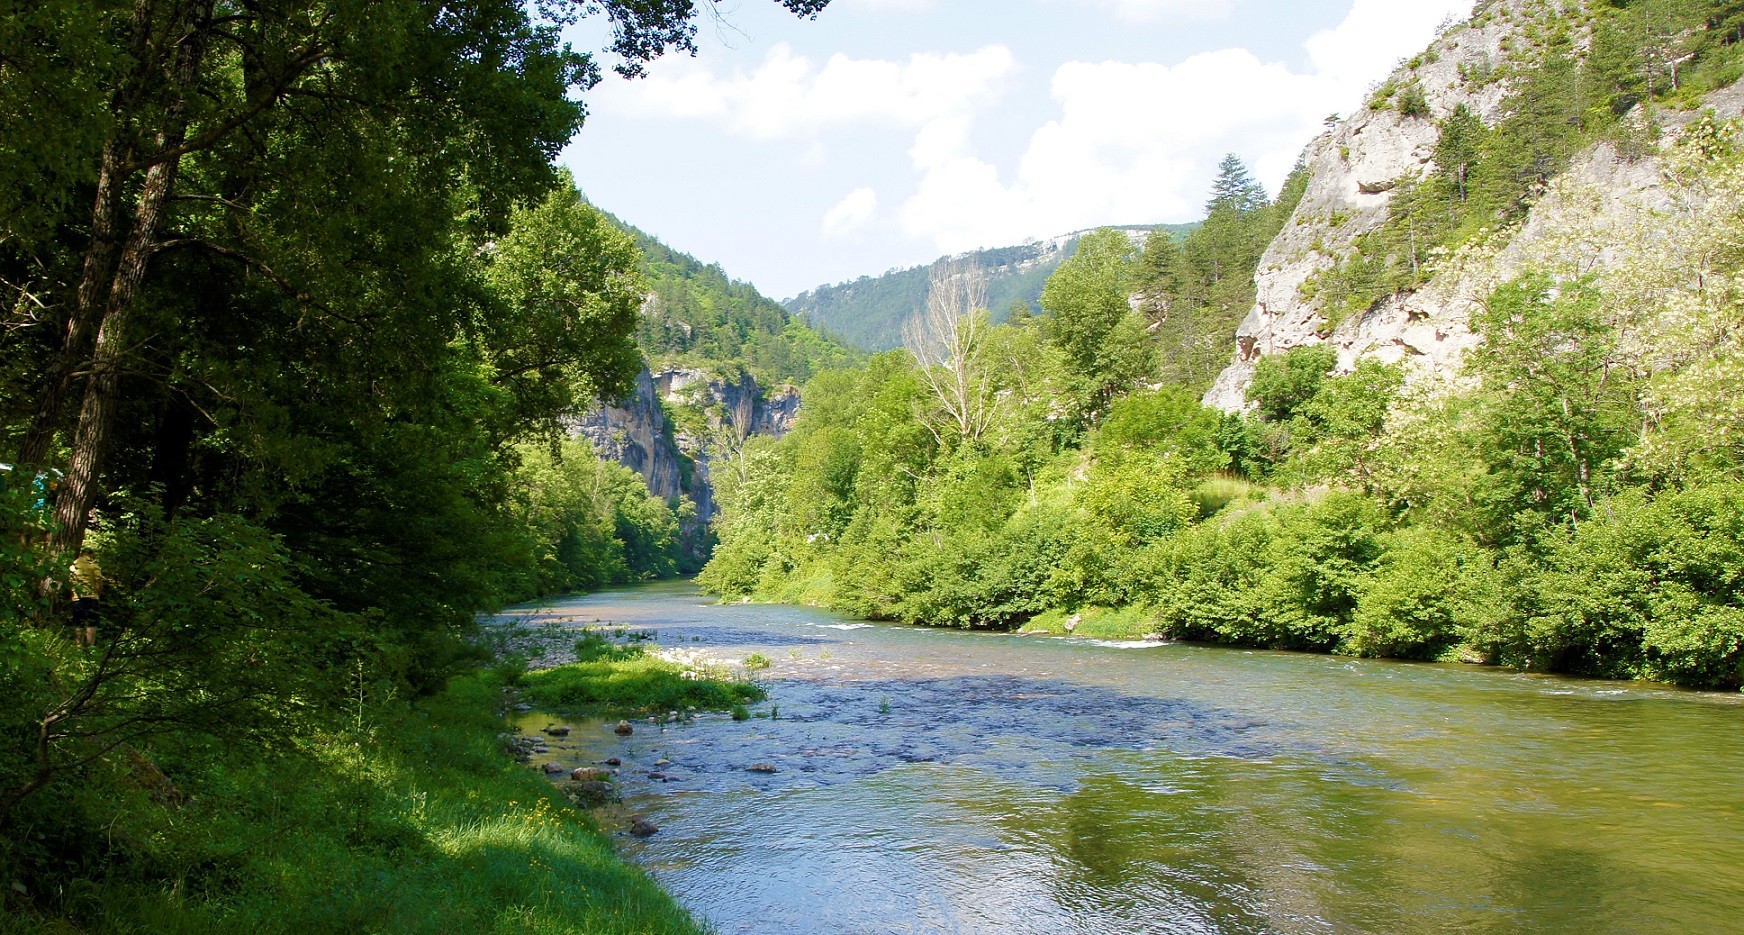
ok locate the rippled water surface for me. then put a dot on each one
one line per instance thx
(940, 781)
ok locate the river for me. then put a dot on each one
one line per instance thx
(943, 781)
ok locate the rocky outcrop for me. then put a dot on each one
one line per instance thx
(1356, 168)
(715, 412)
(634, 433)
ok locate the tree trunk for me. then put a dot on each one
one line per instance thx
(94, 284)
(98, 273)
(102, 388)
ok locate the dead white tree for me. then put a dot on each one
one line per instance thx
(948, 340)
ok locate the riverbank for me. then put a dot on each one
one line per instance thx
(416, 821)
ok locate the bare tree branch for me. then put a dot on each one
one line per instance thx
(948, 341)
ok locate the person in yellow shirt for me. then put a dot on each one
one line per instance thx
(86, 579)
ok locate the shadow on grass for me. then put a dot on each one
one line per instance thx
(420, 825)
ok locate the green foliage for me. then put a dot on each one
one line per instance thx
(1557, 407)
(627, 679)
(1650, 587)
(590, 523)
(1283, 383)
(1234, 189)
(1430, 591)
(1196, 290)
(411, 819)
(699, 316)
(1412, 102)
(1085, 299)
(572, 278)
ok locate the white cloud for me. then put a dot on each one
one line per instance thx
(1150, 11)
(1138, 142)
(850, 213)
(788, 95)
(1132, 142)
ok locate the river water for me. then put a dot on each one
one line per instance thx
(943, 781)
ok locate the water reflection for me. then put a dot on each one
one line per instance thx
(949, 782)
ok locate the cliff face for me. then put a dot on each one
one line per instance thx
(674, 458)
(1357, 166)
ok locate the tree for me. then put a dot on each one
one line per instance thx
(1234, 189)
(190, 113)
(572, 279)
(1457, 148)
(1086, 304)
(1559, 403)
(948, 341)
(1283, 383)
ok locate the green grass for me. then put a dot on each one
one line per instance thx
(628, 679)
(1097, 623)
(1217, 492)
(417, 824)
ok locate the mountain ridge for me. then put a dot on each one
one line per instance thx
(867, 313)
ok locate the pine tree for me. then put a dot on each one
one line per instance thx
(1235, 188)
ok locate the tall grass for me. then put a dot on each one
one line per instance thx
(418, 823)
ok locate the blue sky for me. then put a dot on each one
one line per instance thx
(888, 132)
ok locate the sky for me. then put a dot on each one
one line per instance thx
(886, 133)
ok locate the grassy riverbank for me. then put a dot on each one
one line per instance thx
(414, 821)
(625, 679)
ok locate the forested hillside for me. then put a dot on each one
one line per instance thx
(869, 312)
(697, 316)
(1560, 489)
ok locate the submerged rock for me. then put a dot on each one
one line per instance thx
(642, 827)
(587, 794)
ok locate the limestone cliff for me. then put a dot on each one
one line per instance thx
(674, 421)
(1356, 168)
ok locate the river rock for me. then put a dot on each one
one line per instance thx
(624, 729)
(661, 762)
(614, 761)
(552, 769)
(590, 774)
(642, 827)
(557, 731)
(656, 775)
(762, 768)
(590, 793)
